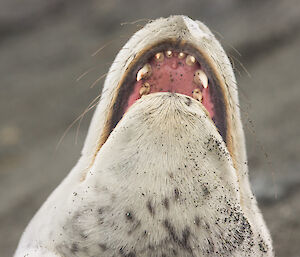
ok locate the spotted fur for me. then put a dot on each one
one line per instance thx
(163, 184)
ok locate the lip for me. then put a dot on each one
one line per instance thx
(116, 109)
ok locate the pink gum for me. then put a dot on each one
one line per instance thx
(172, 75)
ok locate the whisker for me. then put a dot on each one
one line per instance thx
(85, 73)
(134, 22)
(102, 47)
(101, 77)
(226, 43)
(98, 79)
(242, 65)
(83, 114)
(77, 119)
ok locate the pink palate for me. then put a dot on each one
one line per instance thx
(172, 75)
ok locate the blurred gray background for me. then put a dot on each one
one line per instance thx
(45, 46)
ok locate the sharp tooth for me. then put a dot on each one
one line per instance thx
(144, 72)
(200, 78)
(190, 60)
(181, 55)
(197, 94)
(169, 54)
(159, 57)
(145, 89)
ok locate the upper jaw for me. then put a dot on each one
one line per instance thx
(179, 32)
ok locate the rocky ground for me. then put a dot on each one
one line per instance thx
(46, 45)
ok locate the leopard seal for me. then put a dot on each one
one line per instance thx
(163, 171)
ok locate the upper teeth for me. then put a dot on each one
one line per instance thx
(197, 94)
(145, 89)
(190, 60)
(159, 57)
(181, 55)
(200, 78)
(169, 54)
(144, 72)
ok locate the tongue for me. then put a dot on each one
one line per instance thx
(172, 74)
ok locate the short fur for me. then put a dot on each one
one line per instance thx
(164, 183)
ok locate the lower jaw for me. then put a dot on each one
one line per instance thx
(162, 122)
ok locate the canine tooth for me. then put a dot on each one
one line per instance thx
(181, 55)
(197, 94)
(145, 89)
(144, 72)
(190, 60)
(159, 57)
(200, 78)
(169, 54)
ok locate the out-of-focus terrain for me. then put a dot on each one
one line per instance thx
(46, 45)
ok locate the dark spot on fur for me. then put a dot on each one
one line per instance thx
(166, 203)
(262, 246)
(183, 242)
(176, 192)
(103, 247)
(211, 246)
(100, 211)
(74, 248)
(150, 208)
(170, 230)
(244, 228)
(129, 216)
(151, 247)
(145, 233)
(205, 190)
(188, 101)
(185, 236)
(84, 236)
(197, 221)
(123, 254)
(207, 226)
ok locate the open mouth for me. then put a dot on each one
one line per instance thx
(171, 66)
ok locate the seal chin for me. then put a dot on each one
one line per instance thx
(170, 130)
(173, 114)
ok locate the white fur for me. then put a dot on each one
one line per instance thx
(163, 148)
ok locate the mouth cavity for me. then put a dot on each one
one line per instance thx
(172, 66)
